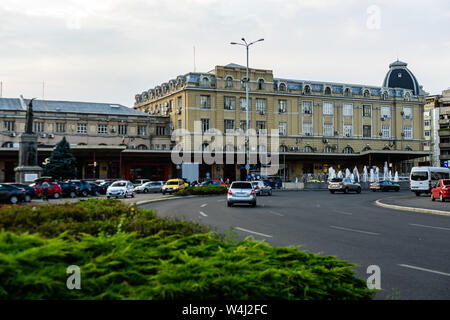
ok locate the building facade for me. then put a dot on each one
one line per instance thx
(431, 131)
(321, 124)
(108, 140)
(444, 126)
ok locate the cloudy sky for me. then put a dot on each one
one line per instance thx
(109, 50)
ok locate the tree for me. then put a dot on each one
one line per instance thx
(62, 164)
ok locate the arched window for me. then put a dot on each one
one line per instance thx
(408, 148)
(328, 91)
(386, 148)
(205, 82)
(142, 147)
(366, 148)
(308, 149)
(8, 145)
(283, 148)
(366, 93)
(307, 89)
(384, 95)
(229, 82)
(348, 150)
(407, 97)
(328, 149)
(282, 87)
(261, 84)
(347, 92)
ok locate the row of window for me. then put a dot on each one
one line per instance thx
(307, 107)
(328, 129)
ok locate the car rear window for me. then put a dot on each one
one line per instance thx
(419, 176)
(241, 185)
(446, 182)
(336, 180)
(119, 184)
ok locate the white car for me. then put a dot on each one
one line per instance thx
(120, 189)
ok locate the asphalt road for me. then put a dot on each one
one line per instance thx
(411, 249)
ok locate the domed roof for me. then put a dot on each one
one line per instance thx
(399, 76)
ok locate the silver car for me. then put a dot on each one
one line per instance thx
(152, 186)
(241, 192)
(120, 189)
(262, 188)
(343, 185)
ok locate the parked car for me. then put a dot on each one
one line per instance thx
(343, 185)
(152, 186)
(213, 183)
(173, 185)
(384, 185)
(241, 192)
(69, 190)
(11, 194)
(106, 184)
(54, 190)
(120, 189)
(83, 187)
(441, 190)
(262, 188)
(422, 179)
(29, 191)
(140, 182)
(96, 189)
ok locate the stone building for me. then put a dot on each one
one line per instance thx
(321, 124)
(443, 103)
(120, 141)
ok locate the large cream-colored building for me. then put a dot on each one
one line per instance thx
(321, 124)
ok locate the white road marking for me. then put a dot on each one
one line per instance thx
(342, 212)
(423, 226)
(257, 233)
(276, 213)
(354, 230)
(203, 205)
(423, 269)
(203, 214)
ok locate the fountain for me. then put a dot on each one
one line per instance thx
(331, 174)
(356, 174)
(365, 174)
(347, 173)
(385, 171)
(390, 175)
(372, 175)
(377, 174)
(396, 179)
(352, 177)
(340, 175)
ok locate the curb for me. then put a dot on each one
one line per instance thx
(412, 209)
(140, 203)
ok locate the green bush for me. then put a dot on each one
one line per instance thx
(199, 266)
(202, 190)
(129, 253)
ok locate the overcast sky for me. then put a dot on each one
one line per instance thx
(109, 50)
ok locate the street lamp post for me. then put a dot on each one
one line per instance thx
(247, 96)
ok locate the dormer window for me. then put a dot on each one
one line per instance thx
(384, 95)
(307, 90)
(328, 91)
(229, 82)
(347, 92)
(205, 82)
(282, 87)
(407, 97)
(366, 93)
(261, 84)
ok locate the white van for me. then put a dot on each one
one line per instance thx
(423, 179)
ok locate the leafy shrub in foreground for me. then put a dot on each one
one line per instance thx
(199, 266)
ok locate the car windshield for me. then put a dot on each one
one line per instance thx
(419, 176)
(155, 184)
(119, 184)
(347, 181)
(241, 185)
(172, 183)
(446, 182)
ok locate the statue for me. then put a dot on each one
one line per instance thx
(29, 118)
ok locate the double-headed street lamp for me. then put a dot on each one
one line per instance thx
(247, 93)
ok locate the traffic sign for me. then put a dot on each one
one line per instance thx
(445, 163)
(247, 167)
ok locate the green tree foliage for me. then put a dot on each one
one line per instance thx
(62, 164)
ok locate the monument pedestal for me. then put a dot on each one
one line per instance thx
(28, 169)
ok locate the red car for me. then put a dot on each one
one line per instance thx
(54, 190)
(441, 190)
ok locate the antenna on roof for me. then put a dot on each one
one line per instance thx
(194, 61)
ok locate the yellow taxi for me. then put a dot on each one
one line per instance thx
(173, 185)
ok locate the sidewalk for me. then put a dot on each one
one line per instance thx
(415, 204)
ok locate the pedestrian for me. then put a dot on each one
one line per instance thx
(228, 182)
(45, 185)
